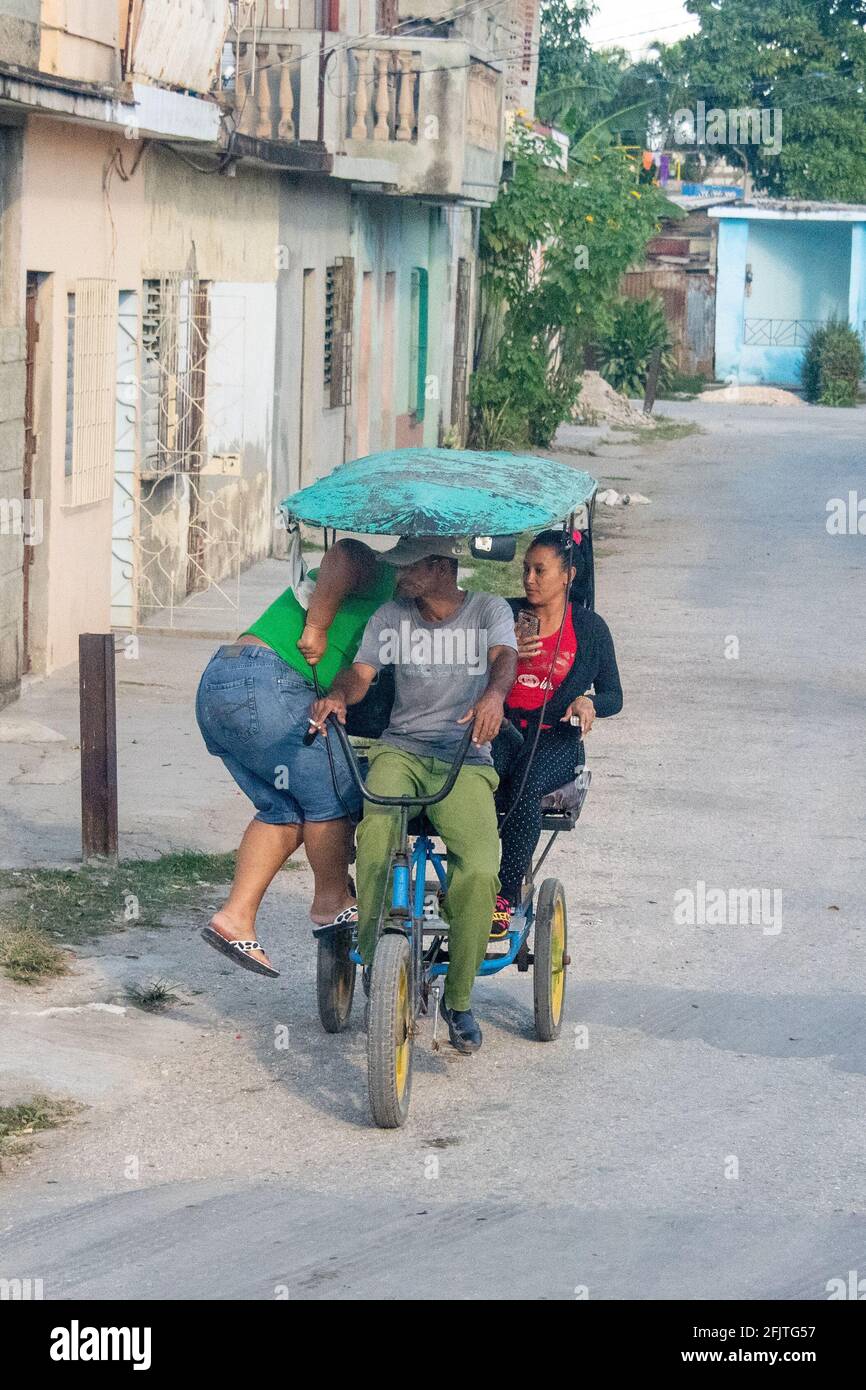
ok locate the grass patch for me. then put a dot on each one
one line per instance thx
(666, 430)
(154, 996)
(41, 907)
(26, 1118)
(682, 386)
(27, 955)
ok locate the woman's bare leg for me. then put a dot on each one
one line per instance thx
(263, 852)
(328, 844)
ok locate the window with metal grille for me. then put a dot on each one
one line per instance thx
(70, 382)
(175, 332)
(339, 303)
(418, 342)
(91, 345)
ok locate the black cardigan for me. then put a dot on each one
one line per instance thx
(594, 666)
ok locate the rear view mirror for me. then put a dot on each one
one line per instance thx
(493, 547)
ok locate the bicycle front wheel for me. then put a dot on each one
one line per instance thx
(390, 1031)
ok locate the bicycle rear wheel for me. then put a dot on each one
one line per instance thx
(335, 980)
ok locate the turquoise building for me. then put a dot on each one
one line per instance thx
(784, 268)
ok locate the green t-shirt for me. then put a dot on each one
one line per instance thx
(282, 624)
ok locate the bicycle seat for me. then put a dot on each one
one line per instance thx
(561, 808)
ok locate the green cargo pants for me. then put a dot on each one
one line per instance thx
(466, 820)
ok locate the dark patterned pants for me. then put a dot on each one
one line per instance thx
(553, 765)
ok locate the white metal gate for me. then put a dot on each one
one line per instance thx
(190, 518)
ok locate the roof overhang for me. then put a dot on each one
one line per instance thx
(791, 213)
(149, 112)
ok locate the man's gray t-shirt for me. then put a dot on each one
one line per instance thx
(440, 670)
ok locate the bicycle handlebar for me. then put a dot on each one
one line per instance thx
(420, 801)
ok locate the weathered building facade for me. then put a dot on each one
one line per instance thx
(237, 246)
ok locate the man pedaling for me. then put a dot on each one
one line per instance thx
(454, 656)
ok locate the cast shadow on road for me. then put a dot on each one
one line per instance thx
(831, 1027)
(329, 1070)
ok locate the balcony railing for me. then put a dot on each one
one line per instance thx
(416, 118)
(267, 90)
(426, 118)
(383, 94)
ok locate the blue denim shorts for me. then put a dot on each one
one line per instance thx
(253, 711)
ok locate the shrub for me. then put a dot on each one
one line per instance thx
(833, 364)
(517, 400)
(637, 328)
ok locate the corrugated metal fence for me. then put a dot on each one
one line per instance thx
(690, 308)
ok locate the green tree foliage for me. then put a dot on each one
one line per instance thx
(563, 49)
(805, 58)
(540, 306)
(582, 89)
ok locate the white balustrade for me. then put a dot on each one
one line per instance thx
(391, 75)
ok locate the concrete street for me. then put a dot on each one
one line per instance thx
(697, 1131)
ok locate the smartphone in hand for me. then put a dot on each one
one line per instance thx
(528, 625)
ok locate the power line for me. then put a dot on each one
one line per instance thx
(636, 34)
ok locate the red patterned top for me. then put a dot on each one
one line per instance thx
(532, 683)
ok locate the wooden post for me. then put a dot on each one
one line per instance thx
(652, 381)
(98, 745)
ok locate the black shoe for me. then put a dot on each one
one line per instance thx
(463, 1031)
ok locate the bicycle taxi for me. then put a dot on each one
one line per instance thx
(490, 499)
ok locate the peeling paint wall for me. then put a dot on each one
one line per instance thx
(19, 32)
(232, 221)
(71, 226)
(315, 228)
(80, 219)
(399, 235)
(11, 413)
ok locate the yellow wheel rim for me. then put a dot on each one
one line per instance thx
(557, 964)
(402, 1031)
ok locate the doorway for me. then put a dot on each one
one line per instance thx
(308, 374)
(362, 415)
(387, 410)
(31, 339)
(125, 481)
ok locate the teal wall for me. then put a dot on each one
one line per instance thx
(802, 270)
(398, 235)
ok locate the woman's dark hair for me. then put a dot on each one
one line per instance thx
(559, 542)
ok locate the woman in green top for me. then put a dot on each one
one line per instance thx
(253, 707)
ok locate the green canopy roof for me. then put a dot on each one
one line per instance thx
(443, 492)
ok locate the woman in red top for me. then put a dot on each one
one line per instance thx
(566, 681)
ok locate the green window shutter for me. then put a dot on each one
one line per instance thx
(418, 358)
